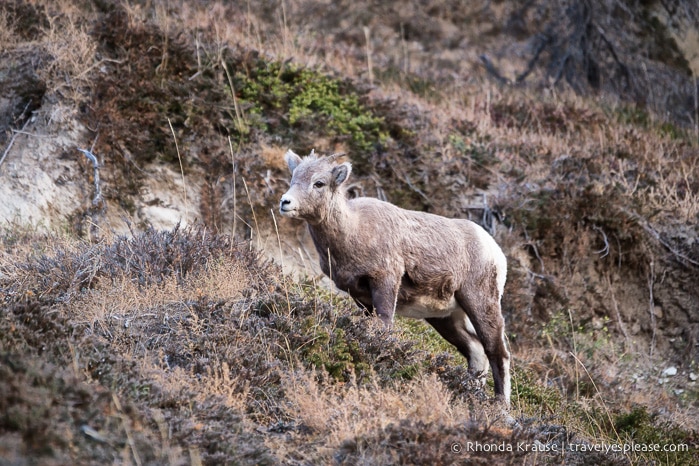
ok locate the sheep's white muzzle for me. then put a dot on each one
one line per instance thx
(288, 206)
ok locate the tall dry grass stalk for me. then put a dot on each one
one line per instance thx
(241, 121)
(234, 171)
(600, 399)
(179, 159)
(369, 63)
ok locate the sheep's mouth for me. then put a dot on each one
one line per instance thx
(287, 212)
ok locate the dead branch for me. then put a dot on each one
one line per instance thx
(651, 305)
(650, 230)
(544, 41)
(615, 305)
(14, 136)
(493, 71)
(409, 183)
(532, 244)
(573, 45)
(605, 250)
(95, 164)
(622, 66)
(488, 215)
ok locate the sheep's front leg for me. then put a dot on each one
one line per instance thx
(384, 293)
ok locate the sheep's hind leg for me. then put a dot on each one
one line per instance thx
(458, 331)
(486, 316)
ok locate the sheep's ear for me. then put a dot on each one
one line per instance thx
(341, 172)
(292, 160)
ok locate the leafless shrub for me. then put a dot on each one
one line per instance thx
(145, 259)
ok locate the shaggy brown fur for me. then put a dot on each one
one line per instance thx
(447, 271)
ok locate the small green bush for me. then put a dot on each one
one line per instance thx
(276, 94)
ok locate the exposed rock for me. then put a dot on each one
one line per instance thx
(22, 89)
(670, 371)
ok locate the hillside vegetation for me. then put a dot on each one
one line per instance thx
(155, 310)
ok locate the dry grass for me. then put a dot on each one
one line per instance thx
(174, 354)
(8, 36)
(182, 346)
(340, 412)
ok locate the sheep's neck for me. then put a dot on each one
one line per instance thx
(335, 229)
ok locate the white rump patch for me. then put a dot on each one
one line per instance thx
(492, 251)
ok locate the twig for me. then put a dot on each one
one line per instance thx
(94, 141)
(696, 109)
(620, 323)
(644, 223)
(574, 353)
(184, 184)
(605, 250)
(330, 275)
(618, 247)
(370, 66)
(404, 48)
(254, 217)
(650, 91)
(532, 245)
(95, 165)
(490, 68)
(27, 133)
(544, 40)
(488, 216)
(610, 47)
(14, 136)
(235, 200)
(285, 27)
(241, 122)
(281, 260)
(611, 421)
(651, 305)
(561, 68)
(125, 424)
(410, 184)
(540, 276)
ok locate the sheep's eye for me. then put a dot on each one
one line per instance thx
(318, 184)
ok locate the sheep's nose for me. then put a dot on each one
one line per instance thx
(285, 205)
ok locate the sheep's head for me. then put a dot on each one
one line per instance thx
(317, 183)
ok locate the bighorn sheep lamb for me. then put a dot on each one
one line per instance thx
(450, 272)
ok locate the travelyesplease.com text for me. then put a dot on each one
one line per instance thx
(560, 448)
